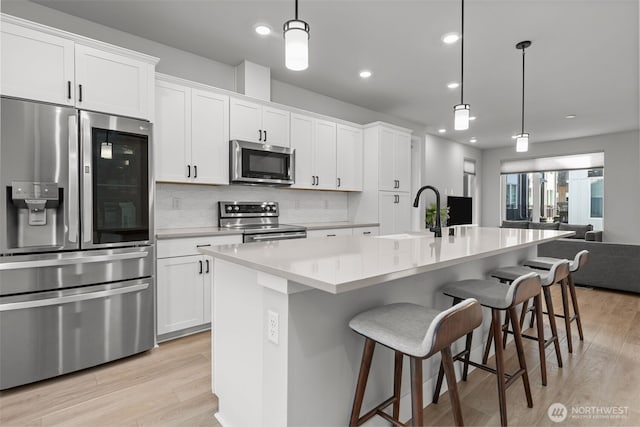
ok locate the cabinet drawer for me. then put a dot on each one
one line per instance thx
(365, 231)
(330, 232)
(189, 246)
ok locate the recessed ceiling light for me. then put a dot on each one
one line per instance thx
(473, 140)
(365, 74)
(263, 30)
(453, 85)
(570, 116)
(442, 130)
(450, 38)
(472, 118)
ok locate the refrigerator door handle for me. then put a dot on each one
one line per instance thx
(72, 297)
(73, 197)
(87, 203)
(57, 262)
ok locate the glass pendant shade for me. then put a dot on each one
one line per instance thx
(296, 45)
(522, 142)
(461, 117)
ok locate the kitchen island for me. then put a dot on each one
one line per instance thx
(282, 351)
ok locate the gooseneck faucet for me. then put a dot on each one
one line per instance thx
(438, 228)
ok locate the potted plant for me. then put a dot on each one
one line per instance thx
(430, 217)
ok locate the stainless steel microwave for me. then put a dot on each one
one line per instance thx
(252, 163)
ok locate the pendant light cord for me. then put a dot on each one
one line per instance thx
(522, 131)
(296, 10)
(461, 57)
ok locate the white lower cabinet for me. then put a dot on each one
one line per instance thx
(184, 284)
(394, 212)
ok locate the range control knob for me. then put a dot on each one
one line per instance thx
(267, 208)
(236, 208)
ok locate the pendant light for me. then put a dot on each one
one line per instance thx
(522, 139)
(461, 111)
(296, 43)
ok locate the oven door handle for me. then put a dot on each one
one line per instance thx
(73, 296)
(277, 236)
(56, 262)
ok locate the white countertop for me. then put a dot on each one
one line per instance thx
(344, 263)
(174, 233)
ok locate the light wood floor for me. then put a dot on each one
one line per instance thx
(170, 385)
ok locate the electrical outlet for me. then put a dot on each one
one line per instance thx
(273, 327)
(326, 204)
(175, 203)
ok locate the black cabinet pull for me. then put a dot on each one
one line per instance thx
(207, 261)
(195, 171)
(317, 180)
(313, 180)
(366, 232)
(200, 262)
(338, 182)
(69, 89)
(188, 171)
(80, 93)
(203, 246)
(331, 235)
(265, 136)
(260, 134)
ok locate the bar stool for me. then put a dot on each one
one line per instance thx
(417, 332)
(545, 263)
(559, 272)
(494, 295)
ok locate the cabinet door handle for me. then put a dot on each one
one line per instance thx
(69, 89)
(366, 232)
(203, 246)
(331, 235)
(317, 180)
(200, 262)
(259, 134)
(207, 261)
(338, 182)
(265, 136)
(79, 93)
(195, 171)
(188, 171)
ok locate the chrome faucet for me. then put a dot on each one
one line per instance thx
(438, 228)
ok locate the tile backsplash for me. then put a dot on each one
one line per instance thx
(184, 205)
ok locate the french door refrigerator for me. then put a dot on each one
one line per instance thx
(76, 240)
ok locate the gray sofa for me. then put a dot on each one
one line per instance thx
(610, 265)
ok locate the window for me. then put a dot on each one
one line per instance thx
(597, 197)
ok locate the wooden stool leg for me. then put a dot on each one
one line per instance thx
(505, 329)
(416, 392)
(467, 348)
(497, 344)
(436, 392)
(397, 382)
(567, 313)
(487, 347)
(447, 362)
(576, 310)
(520, 349)
(537, 303)
(552, 321)
(523, 313)
(365, 365)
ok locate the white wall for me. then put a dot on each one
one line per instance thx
(442, 168)
(621, 179)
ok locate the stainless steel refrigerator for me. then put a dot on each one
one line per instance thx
(76, 240)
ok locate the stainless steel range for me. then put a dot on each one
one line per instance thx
(76, 240)
(258, 221)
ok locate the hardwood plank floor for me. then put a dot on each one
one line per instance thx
(171, 385)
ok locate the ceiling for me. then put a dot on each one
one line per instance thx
(584, 58)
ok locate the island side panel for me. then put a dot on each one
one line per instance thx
(324, 353)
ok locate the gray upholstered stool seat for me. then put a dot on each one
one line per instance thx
(568, 288)
(498, 297)
(417, 332)
(399, 326)
(511, 273)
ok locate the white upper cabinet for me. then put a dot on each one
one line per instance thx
(44, 64)
(314, 141)
(38, 66)
(112, 83)
(191, 134)
(395, 160)
(172, 132)
(349, 158)
(254, 122)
